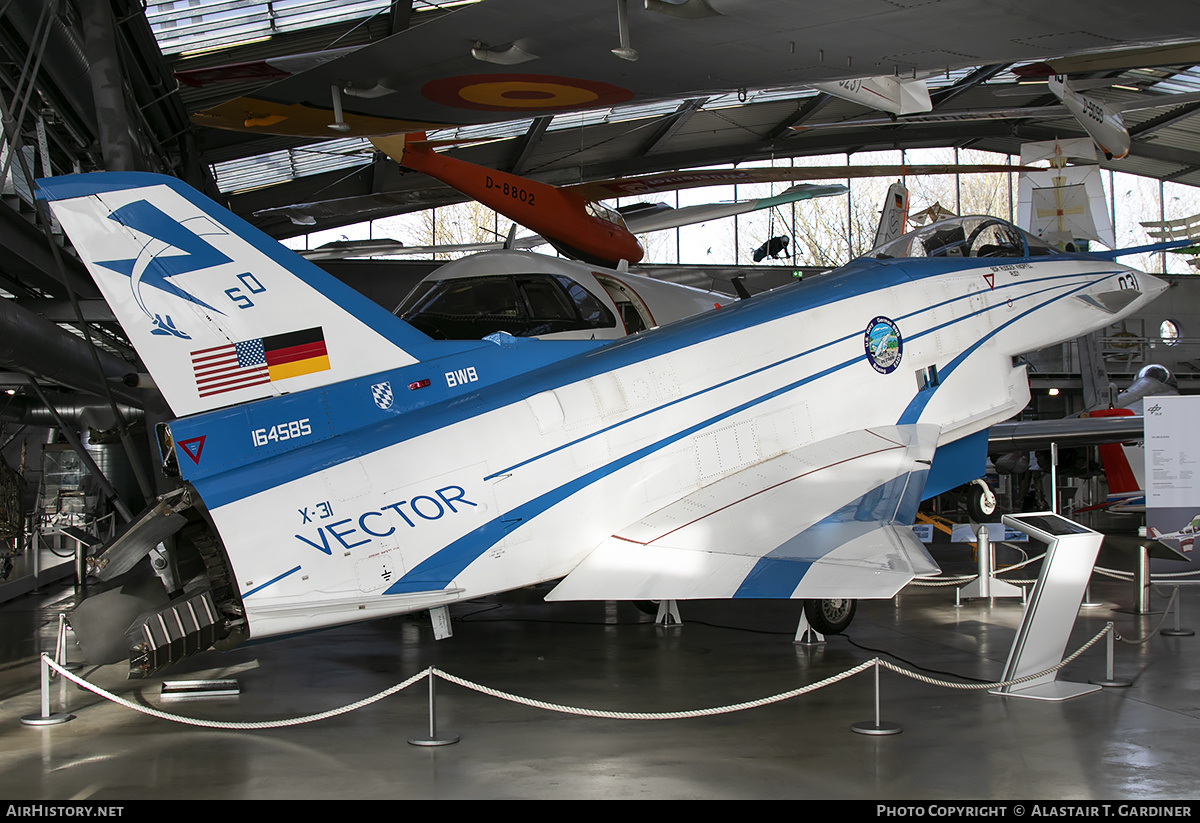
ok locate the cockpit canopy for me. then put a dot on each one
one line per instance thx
(974, 236)
(596, 209)
(523, 304)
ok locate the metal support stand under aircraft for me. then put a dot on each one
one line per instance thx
(806, 635)
(986, 585)
(1071, 551)
(668, 614)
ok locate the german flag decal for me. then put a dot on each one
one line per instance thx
(296, 353)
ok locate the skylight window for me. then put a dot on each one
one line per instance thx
(279, 166)
(187, 25)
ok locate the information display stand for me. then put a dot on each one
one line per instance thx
(1071, 551)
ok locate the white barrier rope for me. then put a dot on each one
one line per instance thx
(556, 707)
(1003, 683)
(735, 707)
(954, 580)
(220, 724)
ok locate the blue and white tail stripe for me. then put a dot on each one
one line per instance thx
(184, 276)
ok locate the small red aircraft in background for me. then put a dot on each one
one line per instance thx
(580, 229)
(572, 219)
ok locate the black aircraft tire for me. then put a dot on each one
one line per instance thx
(981, 503)
(830, 616)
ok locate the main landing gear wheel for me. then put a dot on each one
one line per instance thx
(981, 501)
(830, 616)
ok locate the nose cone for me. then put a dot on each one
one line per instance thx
(1151, 286)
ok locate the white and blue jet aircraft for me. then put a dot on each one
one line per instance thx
(347, 467)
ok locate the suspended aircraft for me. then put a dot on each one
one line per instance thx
(575, 221)
(891, 94)
(884, 93)
(1102, 121)
(335, 464)
(579, 227)
(503, 59)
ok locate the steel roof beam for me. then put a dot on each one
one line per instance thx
(672, 123)
(981, 75)
(1167, 118)
(527, 143)
(808, 109)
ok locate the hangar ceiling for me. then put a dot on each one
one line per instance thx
(90, 85)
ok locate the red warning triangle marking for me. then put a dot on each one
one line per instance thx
(990, 277)
(198, 442)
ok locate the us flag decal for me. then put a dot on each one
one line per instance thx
(253, 362)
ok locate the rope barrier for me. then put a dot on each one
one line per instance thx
(1003, 683)
(220, 724)
(1166, 613)
(735, 707)
(557, 707)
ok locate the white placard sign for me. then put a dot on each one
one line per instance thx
(1172, 452)
(1172, 476)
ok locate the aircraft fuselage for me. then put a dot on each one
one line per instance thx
(561, 216)
(507, 464)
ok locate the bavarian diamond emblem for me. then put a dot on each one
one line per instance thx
(382, 394)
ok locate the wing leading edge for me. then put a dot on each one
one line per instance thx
(827, 520)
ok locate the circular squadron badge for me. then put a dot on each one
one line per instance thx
(883, 345)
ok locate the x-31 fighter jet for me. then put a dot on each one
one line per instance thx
(338, 465)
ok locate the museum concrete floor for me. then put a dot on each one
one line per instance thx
(1136, 742)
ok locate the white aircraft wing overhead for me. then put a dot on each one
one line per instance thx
(346, 249)
(349, 249)
(1075, 148)
(890, 94)
(830, 519)
(658, 220)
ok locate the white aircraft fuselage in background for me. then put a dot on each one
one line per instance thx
(777, 447)
(533, 295)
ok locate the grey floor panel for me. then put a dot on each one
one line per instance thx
(1138, 742)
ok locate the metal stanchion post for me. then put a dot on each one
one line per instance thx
(984, 586)
(1110, 679)
(984, 562)
(1054, 477)
(46, 718)
(1143, 582)
(433, 739)
(1178, 631)
(37, 558)
(879, 727)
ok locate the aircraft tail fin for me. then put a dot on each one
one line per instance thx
(1117, 470)
(894, 216)
(219, 312)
